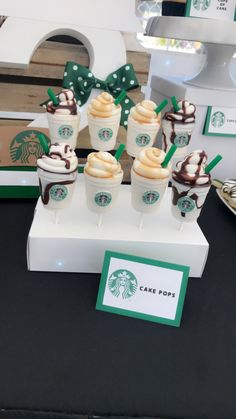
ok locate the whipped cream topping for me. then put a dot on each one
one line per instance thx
(191, 171)
(186, 113)
(60, 159)
(144, 113)
(67, 104)
(102, 164)
(103, 106)
(148, 164)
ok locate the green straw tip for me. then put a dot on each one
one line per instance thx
(43, 143)
(175, 103)
(213, 163)
(169, 155)
(52, 96)
(121, 96)
(119, 152)
(161, 106)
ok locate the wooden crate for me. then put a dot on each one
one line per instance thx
(22, 90)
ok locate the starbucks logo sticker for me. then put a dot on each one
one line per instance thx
(25, 147)
(103, 199)
(218, 119)
(201, 5)
(58, 192)
(122, 283)
(186, 204)
(143, 140)
(65, 131)
(181, 140)
(105, 134)
(150, 197)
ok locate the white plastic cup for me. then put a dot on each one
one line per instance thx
(140, 136)
(181, 136)
(63, 128)
(187, 201)
(56, 189)
(102, 193)
(147, 194)
(103, 131)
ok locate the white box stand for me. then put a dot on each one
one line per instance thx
(77, 244)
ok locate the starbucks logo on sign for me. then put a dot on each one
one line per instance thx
(201, 5)
(105, 134)
(218, 119)
(150, 197)
(143, 140)
(58, 192)
(181, 140)
(186, 204)
(103, 199)
(65, 131)
(25, 147)
(122, 283)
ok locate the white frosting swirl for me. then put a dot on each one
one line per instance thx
(144, 113)
(191, 171)
(60, 159)
(102, 164)
(148, 164)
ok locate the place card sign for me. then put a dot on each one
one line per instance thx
(143, 288)
(220, 122)
(211, 9)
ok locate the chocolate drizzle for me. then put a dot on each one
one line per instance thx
(72, 107)
(182, 114)
(45, 196)
(185, 178)
(176, 196)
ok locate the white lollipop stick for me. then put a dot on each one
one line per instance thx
(99, 220)
(140, 224)
(56, 217)
(181, 226)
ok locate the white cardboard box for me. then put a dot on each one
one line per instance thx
(77, 244)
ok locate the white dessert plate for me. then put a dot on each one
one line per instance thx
(225, 202)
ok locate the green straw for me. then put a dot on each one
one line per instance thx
(213, 163)
(119, 151)
(52, 96)
(43, 143)
(161, 106)
(175, 104)
(120, 97)
(169, 155)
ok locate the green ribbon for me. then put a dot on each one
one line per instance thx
(81, 80)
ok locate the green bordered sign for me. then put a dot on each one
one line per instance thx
(211, 9)
(220, 122)
(143, 288)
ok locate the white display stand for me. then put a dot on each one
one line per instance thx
(226, 146)
(219, 39)
(77, 244)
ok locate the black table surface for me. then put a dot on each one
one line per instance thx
(57, 353)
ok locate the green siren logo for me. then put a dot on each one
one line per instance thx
(186, 204)
(218, 119)
(65, 131)
(201, 5)
(181, 140)
(58, 192)
(150, 197)
(105, 134)
(103, 199)
(122, 283)
(25, 147)
(143, 140)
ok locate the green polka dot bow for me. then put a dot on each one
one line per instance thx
(81, 80)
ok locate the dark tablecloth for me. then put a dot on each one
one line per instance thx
(57, 353)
